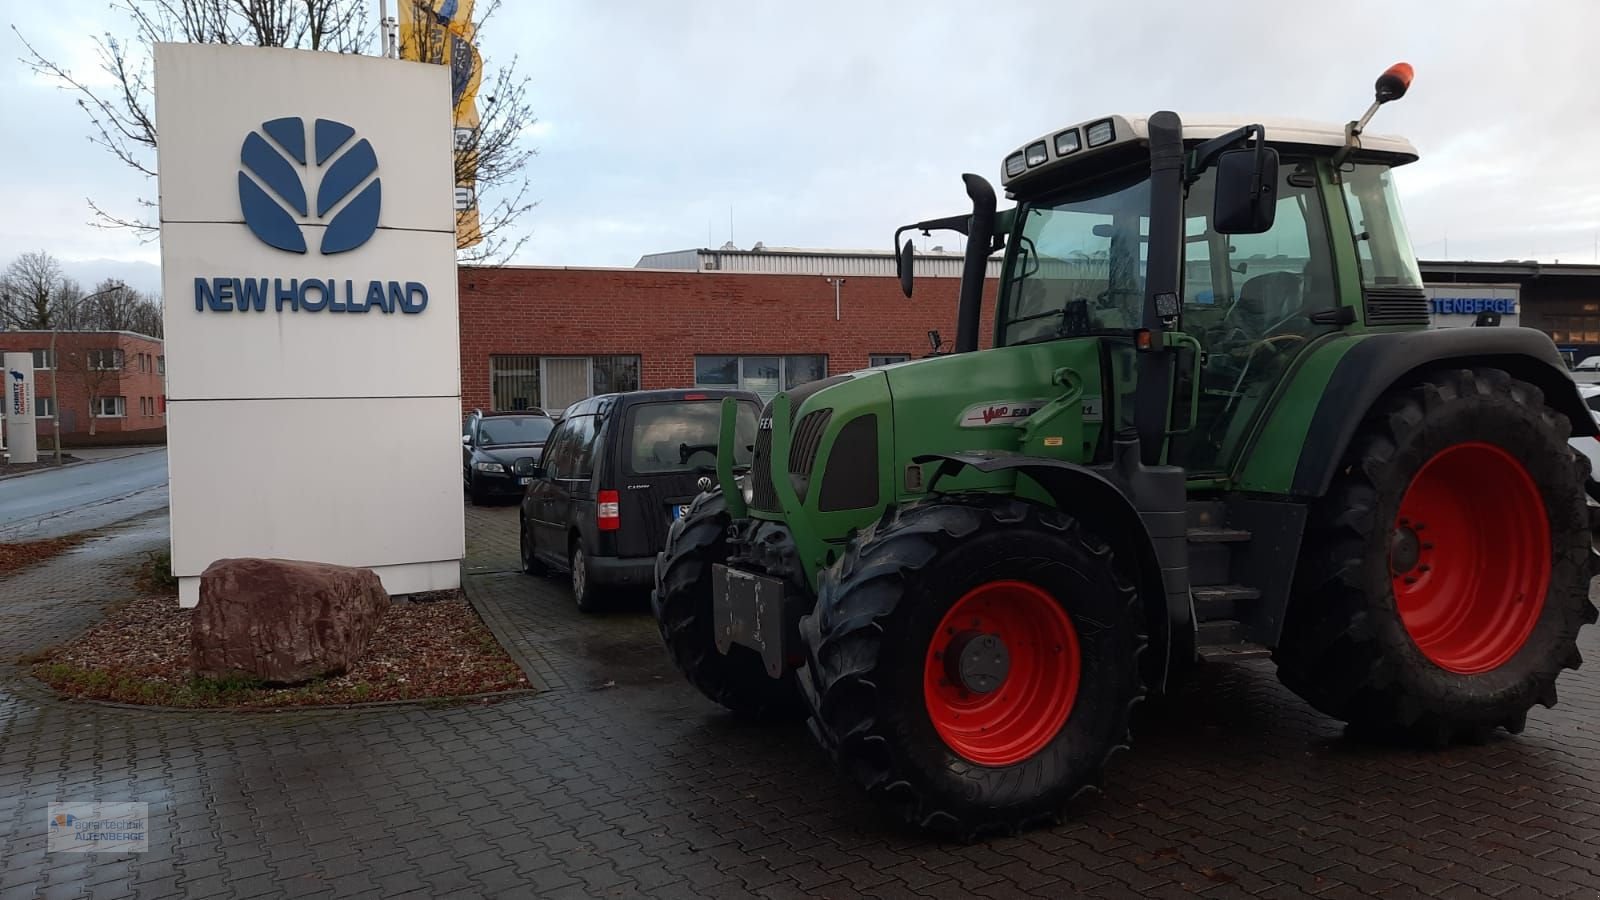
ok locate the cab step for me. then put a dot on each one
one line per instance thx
(1222, 601)
(1224, 639)
(1215, 535)
(1234, 653)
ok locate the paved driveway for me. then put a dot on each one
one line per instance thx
(618, 780)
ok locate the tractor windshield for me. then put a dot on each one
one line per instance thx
(1387, 259)
(1078, 263)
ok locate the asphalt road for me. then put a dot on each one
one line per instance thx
(81, 497)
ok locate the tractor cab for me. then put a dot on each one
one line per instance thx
(1269, 234)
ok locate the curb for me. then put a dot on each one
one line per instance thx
(40, 471)
(498, 627)
(42, 691)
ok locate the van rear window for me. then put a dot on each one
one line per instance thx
(682, 436)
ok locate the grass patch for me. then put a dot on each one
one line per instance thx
(153, 574)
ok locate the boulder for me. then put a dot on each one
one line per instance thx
(283, 621)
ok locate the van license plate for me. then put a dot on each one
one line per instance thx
(679, 511)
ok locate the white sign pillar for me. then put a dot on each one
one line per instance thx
(22, 438)
(308, 241)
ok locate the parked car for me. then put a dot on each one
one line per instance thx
(491, 446)
(615, 473)
(1590, 446)
(1588, 371)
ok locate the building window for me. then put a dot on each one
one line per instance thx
(884, 359)
(553, 383)
(106, 360)
(144, 367)
(613, 374)
(44, 359)
(161, 365)
(110, 407)
(1573, 329)
(514, 382)
(765, 375)
(44, 407)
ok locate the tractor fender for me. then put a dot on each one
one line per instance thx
(1093, 497)
(1380, 362)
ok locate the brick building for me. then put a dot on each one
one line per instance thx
(123, 373)
(767, 318)
(548, 336)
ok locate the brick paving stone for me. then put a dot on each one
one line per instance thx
(617, 779)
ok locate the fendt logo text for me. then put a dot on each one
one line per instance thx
(290, 188)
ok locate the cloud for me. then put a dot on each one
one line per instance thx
(829, 124)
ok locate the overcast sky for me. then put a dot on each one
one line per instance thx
(827, 124)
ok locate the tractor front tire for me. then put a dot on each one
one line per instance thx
(1407, 623)
(972, 663)
(682, 605)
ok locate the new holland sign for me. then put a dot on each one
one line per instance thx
(276, 163)
(310, 219)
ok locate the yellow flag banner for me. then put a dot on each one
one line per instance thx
(441, 32)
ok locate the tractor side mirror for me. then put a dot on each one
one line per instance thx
(1246, 191)
(903, 265)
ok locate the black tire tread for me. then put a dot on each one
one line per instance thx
(857, 597)
(681, 602)
(1331, 652)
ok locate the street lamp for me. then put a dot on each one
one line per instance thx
(55, 365)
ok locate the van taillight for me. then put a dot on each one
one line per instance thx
(609, 511)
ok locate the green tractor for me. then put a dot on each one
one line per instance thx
(1214, 423)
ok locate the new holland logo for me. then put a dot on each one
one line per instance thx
(278, 175)
(279, 166)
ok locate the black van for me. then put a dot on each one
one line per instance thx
(614, 474)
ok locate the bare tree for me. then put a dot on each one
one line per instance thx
(68, 310)
(30, 291)
(145, 317)
(122, 118)
(96, 368)
(112, 307)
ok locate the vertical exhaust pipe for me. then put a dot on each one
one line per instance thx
(975, 266)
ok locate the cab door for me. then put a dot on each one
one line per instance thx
(1253, 303)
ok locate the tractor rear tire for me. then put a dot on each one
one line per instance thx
(943, 749)
(682, 605)
(1405, 623)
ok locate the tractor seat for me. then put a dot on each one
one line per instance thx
(1269, 298)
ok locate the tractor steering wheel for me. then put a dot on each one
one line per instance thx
(1275, 340)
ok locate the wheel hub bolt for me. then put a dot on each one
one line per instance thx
(977, 662)
(1405, 550)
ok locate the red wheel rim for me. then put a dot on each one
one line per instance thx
(1470, 607)
(1018, 718)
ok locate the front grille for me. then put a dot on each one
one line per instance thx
(762, 494)
(1396, 306)
(803, 449)
(850, 480)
